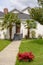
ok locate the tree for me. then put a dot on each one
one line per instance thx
(40, 2)
(0, 23)
(9, 20)
(37, 14)
(30, 24)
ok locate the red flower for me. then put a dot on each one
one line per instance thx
(31, 56)
(26, 56)
(20, 58)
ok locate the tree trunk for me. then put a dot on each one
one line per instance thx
(28, 33)
(10, 33)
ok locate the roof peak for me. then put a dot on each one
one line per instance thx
(14, 10)
(26, 8)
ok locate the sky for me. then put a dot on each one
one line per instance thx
(18, 4)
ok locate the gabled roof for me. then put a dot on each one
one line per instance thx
(1, 14)
(14, 10)
(20, 14)
(23, 16)
(26, 9)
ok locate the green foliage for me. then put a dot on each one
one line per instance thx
(40, 36)
(31, 24)
(26, 37)
(40, 2)
(33, 34)
(37, 14)
(9, 20)
(35, 46)
(3, 44)
(0, 24)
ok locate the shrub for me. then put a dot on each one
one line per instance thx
(26, 56)
(40, 36)
(26, 37)
(33, 33)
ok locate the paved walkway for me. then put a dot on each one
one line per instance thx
(8, 55)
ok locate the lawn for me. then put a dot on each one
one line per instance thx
(3, 44)
(36, 46)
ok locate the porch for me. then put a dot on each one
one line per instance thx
(18, 35)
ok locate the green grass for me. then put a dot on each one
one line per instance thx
(36, 46)
(3, 44)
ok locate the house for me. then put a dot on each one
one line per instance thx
(18, 32)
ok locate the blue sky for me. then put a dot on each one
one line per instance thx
(19, 4)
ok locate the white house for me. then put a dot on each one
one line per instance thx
(19, 32)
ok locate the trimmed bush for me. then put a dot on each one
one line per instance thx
(26, 56)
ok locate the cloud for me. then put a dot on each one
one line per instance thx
(19, 4)
(22, 3)
(0, 8)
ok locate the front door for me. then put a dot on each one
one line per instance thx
(18, 28)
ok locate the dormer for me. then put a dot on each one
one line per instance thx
(26, 10)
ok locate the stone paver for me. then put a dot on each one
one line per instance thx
(9, 54)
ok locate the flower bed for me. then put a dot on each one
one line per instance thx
(26, 56)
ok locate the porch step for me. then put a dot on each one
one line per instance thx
(18, 36)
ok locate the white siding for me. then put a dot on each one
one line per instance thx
(15, 12)
(13, 31)
(1, 20)
(2, 33)
(26, 12)
(38, 30)
(23, 29)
